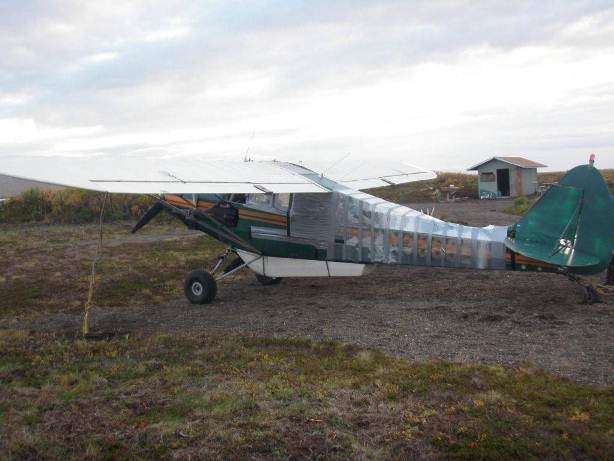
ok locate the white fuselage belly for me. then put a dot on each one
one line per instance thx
(289, 267)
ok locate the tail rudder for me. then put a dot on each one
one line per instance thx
(571, 226)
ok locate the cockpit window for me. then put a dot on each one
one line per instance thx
(260, 200)
(269, 202)
(281, 202)
(238, 198)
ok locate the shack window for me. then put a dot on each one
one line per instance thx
(487, 176)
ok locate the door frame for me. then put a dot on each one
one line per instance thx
(503, 175)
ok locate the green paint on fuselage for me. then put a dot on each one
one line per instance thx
(268, 247)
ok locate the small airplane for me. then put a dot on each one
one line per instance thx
(283, 219)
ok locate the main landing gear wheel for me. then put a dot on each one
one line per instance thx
(266, 281)
(200, 287)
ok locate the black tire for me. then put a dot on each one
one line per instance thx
(200, 287)
(267, 281)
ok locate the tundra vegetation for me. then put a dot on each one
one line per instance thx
(237, 397)
(71, 206)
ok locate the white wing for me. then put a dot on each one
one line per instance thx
(359, 174)
(193, 175)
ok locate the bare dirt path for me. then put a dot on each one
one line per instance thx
(472, 212)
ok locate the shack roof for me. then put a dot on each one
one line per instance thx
(516, 161)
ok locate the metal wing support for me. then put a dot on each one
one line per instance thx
(210, 221)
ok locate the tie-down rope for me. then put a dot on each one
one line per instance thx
(85, 328)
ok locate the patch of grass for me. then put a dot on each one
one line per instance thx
(238, 397)
(520, 207)
(46, 268)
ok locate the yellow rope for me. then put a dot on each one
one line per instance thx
(85, 328)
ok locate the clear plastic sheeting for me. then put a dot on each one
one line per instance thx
(360, 228)
(369, 229)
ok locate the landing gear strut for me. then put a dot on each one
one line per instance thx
(201, 286)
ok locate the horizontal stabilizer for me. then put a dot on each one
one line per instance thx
(571, 259)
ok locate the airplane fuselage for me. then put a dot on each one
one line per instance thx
(354, 228)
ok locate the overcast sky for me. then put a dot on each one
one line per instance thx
(443, 84)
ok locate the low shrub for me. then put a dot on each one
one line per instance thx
(520, 206)
(71, 206)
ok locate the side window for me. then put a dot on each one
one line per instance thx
(269, 202)
(238, 198)
(281, 202)
(262, 201)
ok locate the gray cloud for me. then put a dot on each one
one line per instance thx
(211, 73)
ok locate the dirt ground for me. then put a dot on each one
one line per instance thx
(417, 313)
(473, 212)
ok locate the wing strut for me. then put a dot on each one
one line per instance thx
(196, 219)
(148, 216)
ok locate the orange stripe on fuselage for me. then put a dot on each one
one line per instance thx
(260, 216)
(244, 213)
(178, 201)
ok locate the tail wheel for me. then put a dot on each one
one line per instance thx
(200, 287)
(266, 281)
(609, 280)
(591, 296)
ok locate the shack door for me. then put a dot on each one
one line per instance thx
(503, 181)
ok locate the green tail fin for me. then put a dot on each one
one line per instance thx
(571, 226)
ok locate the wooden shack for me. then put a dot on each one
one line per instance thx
(501, 177)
